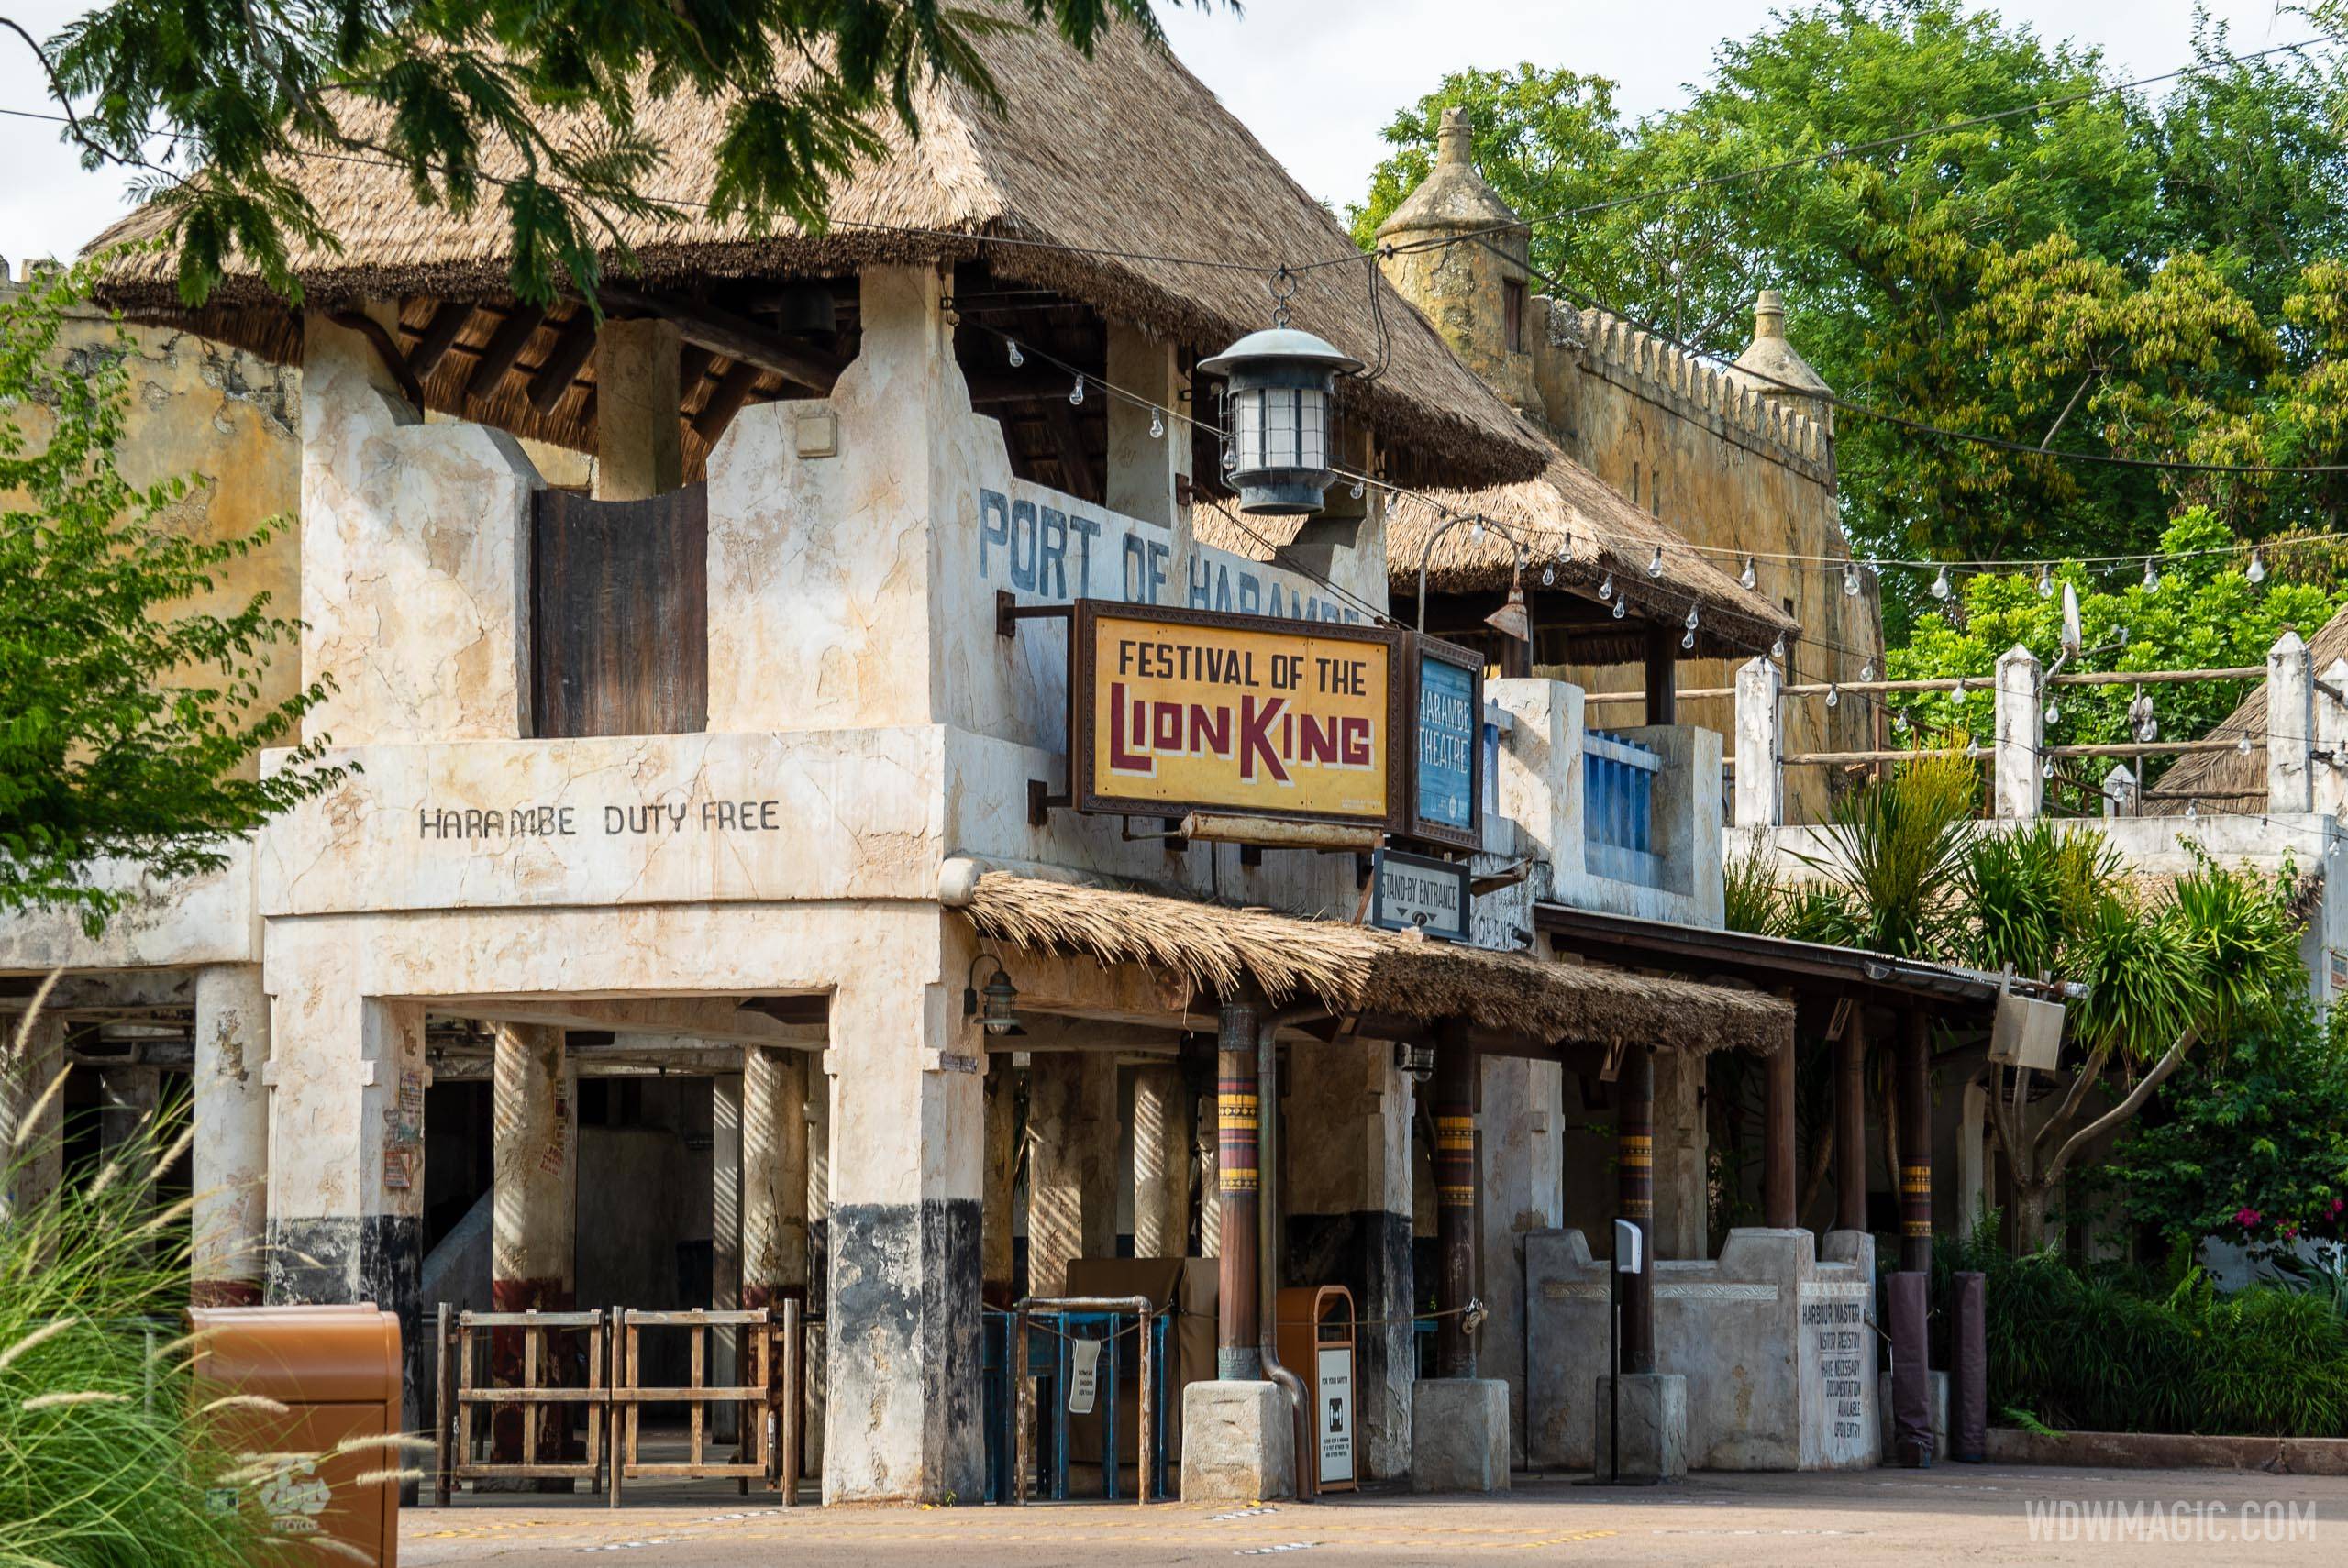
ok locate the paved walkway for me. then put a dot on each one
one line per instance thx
(1950, 1513)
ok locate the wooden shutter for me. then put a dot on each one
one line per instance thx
(619, 615)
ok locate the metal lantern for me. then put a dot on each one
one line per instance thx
(1278, 412)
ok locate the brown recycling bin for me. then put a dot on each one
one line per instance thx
(337, 1370)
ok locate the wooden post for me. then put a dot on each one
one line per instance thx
(1851, 1123)
(1238, 1357)
(1778, 1186)
(1635, 1198)
(1916, 1144)
(1663, 675)
(1456, 1179)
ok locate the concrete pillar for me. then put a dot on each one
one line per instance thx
(1760, 790)
(1345, 1186)
(346, 1146)
(2290, 725)
(1973, 1158)
(127, 1099)
(2120, 791)
(639, 451)
(1682, 1187)
(32, 1118)
(1071, 1164)
(774, 1176)
(1851, 1124)
(903, 1423)
(533, 1248)
(999, 1267)
(2330, 785)
(231, 1149)
(1142, 467)
(1519, 1110)
(2022, 732)
(1162, 1155)
(1238, 1352)
(1634, 1199)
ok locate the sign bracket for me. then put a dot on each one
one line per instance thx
(1009, 613)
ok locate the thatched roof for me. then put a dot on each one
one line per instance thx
(2227, 781)
(1571, 524)
(1356, 970)
(1124, 151)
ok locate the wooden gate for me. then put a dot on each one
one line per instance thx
(629, 1396)
(619, 615)
(460, 1454)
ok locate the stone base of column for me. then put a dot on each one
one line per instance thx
(1238, 1442)
(1936, 1392)
(1653, 1420)
(1459, 1435)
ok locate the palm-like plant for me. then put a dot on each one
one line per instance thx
(1897, 844)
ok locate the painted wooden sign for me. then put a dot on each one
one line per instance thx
(1175, 710)
(1418, 892)
(1447, 711)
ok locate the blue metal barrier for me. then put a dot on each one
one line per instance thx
(1051, 1337)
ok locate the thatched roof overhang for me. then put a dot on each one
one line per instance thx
(2233, 781)
(1358, 972)
(1106, 178)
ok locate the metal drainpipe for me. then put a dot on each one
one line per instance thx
(1268, 1160)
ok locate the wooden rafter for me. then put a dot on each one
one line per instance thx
(503, 351)
(736, 337)
(1068, 442)
(440, 336)
(725, 400)
(573, 342)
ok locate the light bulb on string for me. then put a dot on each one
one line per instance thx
(1654, 566)
(2242, 747)
(1834, 695)
(1777, 648)
(1230, 456)
(1866, 671)
(2053, 713)
(1850, 580)
(1749, 577)
(2047, 769)
(1549, 575)
(1475, 529)
(2192, 808)
(1606, 588)
(1941, 586)
(1691, 617)
(2045, 582)
(1356, 491)
(1620, 605)
(1688, 640)
(2152, 576)
(1158, 430)
(2257, 571)
(1076, 393)
(1016, 358)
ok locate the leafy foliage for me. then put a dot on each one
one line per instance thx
(128, 719)
(1897, 845)
(539, 107)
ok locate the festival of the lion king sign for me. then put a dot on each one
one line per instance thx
(1177, 711)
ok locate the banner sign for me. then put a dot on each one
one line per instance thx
(1417, 892)
(1446, 791)
(1175, 710)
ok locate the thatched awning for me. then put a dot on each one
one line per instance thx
(1354, 970)
(1571, 523)
(1121, 164)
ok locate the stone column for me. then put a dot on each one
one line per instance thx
(2290, 725)
(774, 1176)
(1161, 1163)
(1760, 791)
(1973, 1158)
(1071, 1164)
(1144, 466)
(1634, 1200)
(1000, 1269)
(1851, 1123)
(904, 1411)
(1238, 1352)
(2328, 787)
(2022, 732)
(724, 1236)
(1682, 1192)
(127, 1099)
(231, 1149)
(346, 1147)
(532, 1219)
(1457, 1187)
(1520, 1178)
(32, 1119)
(639, 450)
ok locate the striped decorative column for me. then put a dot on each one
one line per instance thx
(1916, 1145)
(1238, 1357)
(1634, 1200)
(1455, 1181)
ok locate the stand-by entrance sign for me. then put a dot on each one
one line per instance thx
(1179, 711)
(1418, 892)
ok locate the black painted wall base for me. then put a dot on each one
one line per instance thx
(904, 1326)
(347, 1258)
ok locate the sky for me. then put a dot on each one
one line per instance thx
(1315, 78)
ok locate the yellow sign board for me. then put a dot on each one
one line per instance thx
(1186, 710)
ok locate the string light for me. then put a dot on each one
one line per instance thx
(1941, 588)
(2046, 580)
(1850, 580)
(1866, 671)
(1157, 433)
(1076, 393)
(1549, 575)
(1749, 578)
(2243, 747)
(2152, 576)
(1777, 648)
(2053, 711)
(1687, 641)
(1620, 605)
(1356, 491)
(2047, 770)
(1606, 588)
(1691, 617)
(1834, 695)
(1016, 358)
(2257, 572)
(1654, 566)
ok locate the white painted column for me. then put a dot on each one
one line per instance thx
(1071, 1164)
(2021, 729)
(2120, 791)
(126, 1098)
(725, 1233)
(1162, 1159)
(1682, 1192)
(346, 1144)
(2329, 778)
(1760, 786)
(639, 450)
(774, 1176)
(2290, 725)
(907, 1141)
(533, 1244)
(1972, 1158)
(32, 1119)
(231, 1149)
(1142, 467)
(1517, 1130)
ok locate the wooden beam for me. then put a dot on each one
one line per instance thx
(503, 351)
(572, 344)
(440, 336)
(386, 349)
(692, 366)
(736, 337)
(725, 400)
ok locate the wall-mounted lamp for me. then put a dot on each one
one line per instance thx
(994, 1005)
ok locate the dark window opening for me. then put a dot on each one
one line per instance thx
(1512, 313)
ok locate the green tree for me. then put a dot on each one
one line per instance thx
(130, 723)
(539, 107)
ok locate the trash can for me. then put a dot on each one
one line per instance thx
(336, 1372)
(1316, 1342)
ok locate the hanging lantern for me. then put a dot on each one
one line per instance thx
(1512, 619)
(1282, 385)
